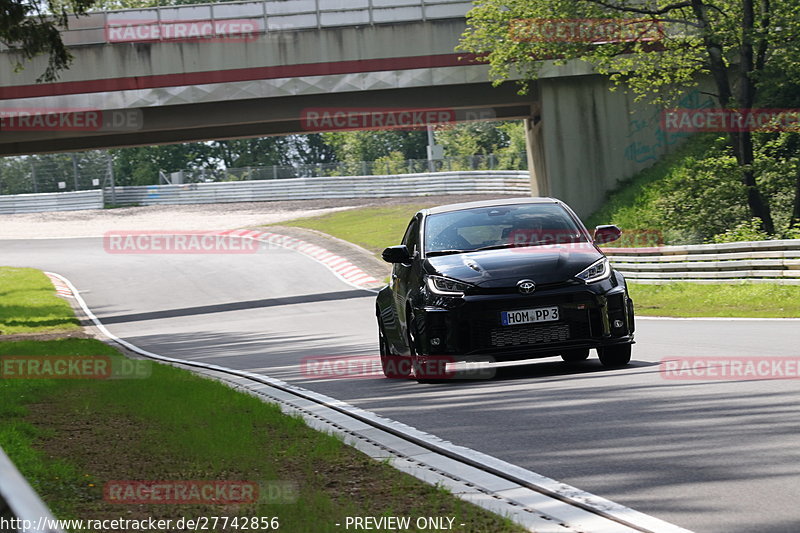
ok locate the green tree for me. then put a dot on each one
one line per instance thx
(513, 156)
(355, 146)
(393, 163)
(32, 28)
(16, 176)
(310, 149)
(735, 42)
(471, 138)
(141, 165)
(257, 152)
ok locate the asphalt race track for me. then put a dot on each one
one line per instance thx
(709, 455)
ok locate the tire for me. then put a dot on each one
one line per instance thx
(614, 356)
(418, 361)
(576, 355)
(394, 366)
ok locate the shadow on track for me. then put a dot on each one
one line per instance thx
(237, 306)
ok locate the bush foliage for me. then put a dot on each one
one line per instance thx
(694, 195)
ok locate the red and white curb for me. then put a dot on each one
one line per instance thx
(62, 289)
(340, 266)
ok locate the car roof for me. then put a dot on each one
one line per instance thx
(488, 203)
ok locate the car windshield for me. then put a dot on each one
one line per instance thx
(503, 226)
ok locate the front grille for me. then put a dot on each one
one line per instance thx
(485, 335)
(528, 334)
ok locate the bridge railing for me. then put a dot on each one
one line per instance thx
(262, 17)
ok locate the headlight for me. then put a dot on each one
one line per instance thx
(446, 286)
(598, 271)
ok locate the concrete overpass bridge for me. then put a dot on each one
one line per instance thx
(244, 69)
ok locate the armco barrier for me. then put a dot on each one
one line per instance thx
(19, 501)
(735, 262)
(471, 182)
(52, 201)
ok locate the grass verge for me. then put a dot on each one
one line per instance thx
(373, 228)
(29, 305)
(633, 204)
(69, 437)
(691, 299)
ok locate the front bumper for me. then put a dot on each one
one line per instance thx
(591, 316)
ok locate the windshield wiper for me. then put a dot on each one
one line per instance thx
(448, 252)
(507, 245)
(520, 245)
(493, 247)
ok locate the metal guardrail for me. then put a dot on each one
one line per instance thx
(751, 261)
(422, 184)
(267, 16)
(54, 201)
(90, 170)
(19, 502)
(465, 163)
(476, 182)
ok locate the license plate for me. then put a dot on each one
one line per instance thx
(529, 316)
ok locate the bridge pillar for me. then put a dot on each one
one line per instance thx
(534, 148)
(583, 139)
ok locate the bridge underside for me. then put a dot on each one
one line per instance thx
(240, 118)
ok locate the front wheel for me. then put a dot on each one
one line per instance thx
(394, 366)
(424, 372)
(617, 355)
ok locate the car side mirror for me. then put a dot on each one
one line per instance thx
(396, 254)
(606, 234)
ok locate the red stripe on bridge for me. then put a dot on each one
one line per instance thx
(234, 75)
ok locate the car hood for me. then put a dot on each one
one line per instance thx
(499, 268)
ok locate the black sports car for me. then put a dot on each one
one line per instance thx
(503, 280)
